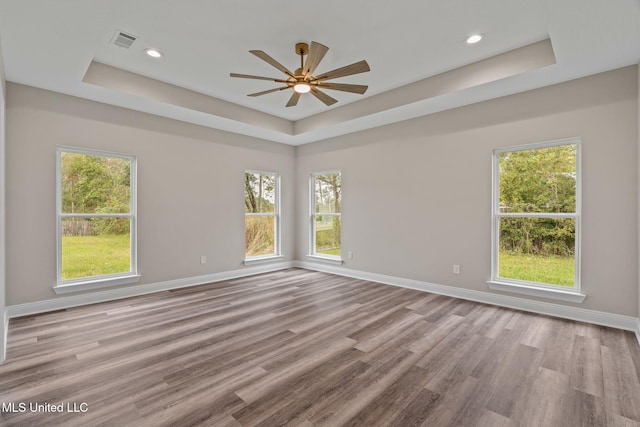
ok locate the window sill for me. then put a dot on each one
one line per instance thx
(65, 288)
(262, 259)
(556, 294)
(326, 259)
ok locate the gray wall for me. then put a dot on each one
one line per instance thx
(190, 187)
(417, 194)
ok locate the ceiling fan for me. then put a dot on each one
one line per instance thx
(303, 80)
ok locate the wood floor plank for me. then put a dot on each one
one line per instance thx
(390, 331)
(546, 400)
(462, 405)
(615, 420)
(513, 380)
(305, 348)
(376, 384)
(293, 367)
(333, 390)
(557, 349)
(441, 330)
(633, 343)
(491, 419)
(585, 410)
(586, 366)
(286, 407)
(621, 387)
(419, 409)
(390, 403)
(454, 361)
(398, 344)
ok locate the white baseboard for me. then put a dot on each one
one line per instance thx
(557, 310)
(132, 291)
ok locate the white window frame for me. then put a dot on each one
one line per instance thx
(333, 259)
(248, 260)
(557, 292)
(95, 282)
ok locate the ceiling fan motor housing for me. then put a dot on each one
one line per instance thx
(303, 80)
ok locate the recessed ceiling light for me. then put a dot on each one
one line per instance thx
(154, 53)
(474, 38)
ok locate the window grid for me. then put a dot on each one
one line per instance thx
(498, 215)
(254, 245)
(320, 181)
(131, 215)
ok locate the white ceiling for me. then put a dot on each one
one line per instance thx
(51, 45)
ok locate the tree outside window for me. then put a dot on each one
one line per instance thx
(326, 214)
(95, 214)
(536, 214)
(262, 211)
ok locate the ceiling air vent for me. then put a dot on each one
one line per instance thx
(123, 39)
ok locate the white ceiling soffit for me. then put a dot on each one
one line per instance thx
(419, 61)
(358, 115)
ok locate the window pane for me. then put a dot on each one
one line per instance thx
(538, 250)
(260, 235)
(538, 180)
(327, 235)
(95, 247)
(259, 193)
(328, 189)
(95, 184)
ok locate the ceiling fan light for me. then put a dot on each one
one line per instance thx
(302, 87)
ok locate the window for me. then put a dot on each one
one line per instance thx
(536, 218)
(261, 214)
(326, 189)
(96, 218)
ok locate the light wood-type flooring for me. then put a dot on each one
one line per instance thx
(304, 348)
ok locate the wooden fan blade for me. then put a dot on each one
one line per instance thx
(323, 97)
(355, 68)
(247, 76)
(317, 51)
(264, 92)
(269, 60)
(294, 99)
(344, 87)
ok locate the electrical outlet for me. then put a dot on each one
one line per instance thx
(456, 269)
(350, 255)
(203, 259)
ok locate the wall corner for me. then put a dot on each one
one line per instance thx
(638, 198)
(3, 314)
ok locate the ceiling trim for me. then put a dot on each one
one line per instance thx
(384, 108)
(508, 64)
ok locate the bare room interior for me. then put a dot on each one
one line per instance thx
(242, 213)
